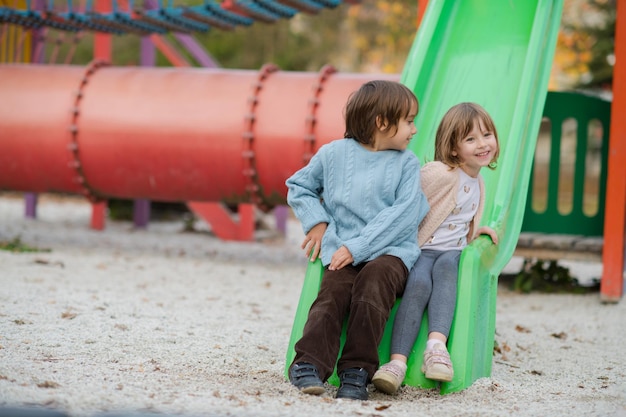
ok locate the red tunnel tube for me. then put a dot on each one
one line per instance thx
(165, 134)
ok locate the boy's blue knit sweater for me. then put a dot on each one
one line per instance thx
(372, 201)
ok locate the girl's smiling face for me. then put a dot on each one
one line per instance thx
(477, 149)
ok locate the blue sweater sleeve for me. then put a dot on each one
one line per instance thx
(305, 192)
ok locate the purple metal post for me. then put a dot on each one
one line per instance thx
(30, 203)
(141, 213)
(196, 50)
(148, 52)
(37, 57)
(280, 214)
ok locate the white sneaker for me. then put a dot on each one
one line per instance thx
(437, 364)
(389, 377)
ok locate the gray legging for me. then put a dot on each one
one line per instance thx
(432, 282)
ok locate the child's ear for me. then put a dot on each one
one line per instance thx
(381, 123)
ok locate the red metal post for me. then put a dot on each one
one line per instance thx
(103, 43)
(98, 215)
(612, 283)
(421, 9)
(103, 49)
(222, 222)
(172, 55)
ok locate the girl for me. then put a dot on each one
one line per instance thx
(466, 141)
(359, 201)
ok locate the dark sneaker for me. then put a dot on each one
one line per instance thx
(353, 384)
(306, 378)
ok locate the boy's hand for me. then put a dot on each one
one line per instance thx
(486, 230)
(340, 259)
(312, 244)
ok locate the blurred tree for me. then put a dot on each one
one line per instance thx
(379, 35)
(585, 46)
(374, 36)
(603, 48)
(302, 43)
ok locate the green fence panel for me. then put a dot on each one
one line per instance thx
(576, 130)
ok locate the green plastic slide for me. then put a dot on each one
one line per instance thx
(498, 54)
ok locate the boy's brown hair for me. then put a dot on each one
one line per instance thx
(375, 103)
(456, 124)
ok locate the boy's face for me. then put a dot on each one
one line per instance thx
(397, 138)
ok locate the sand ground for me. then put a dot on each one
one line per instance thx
(159, 320)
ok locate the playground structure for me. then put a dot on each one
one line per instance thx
(581, 124)
(125, 18)
(92, 139)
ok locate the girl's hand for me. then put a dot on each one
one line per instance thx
(312, 244)
(486, 230)
(340, 259)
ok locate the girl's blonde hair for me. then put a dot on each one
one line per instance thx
(375, 103)
(456, 124)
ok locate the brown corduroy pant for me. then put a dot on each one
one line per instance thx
(365, 294)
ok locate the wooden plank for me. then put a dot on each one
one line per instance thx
(559, 246)
(557, 255)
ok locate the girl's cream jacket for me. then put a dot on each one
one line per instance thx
(440, 184)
